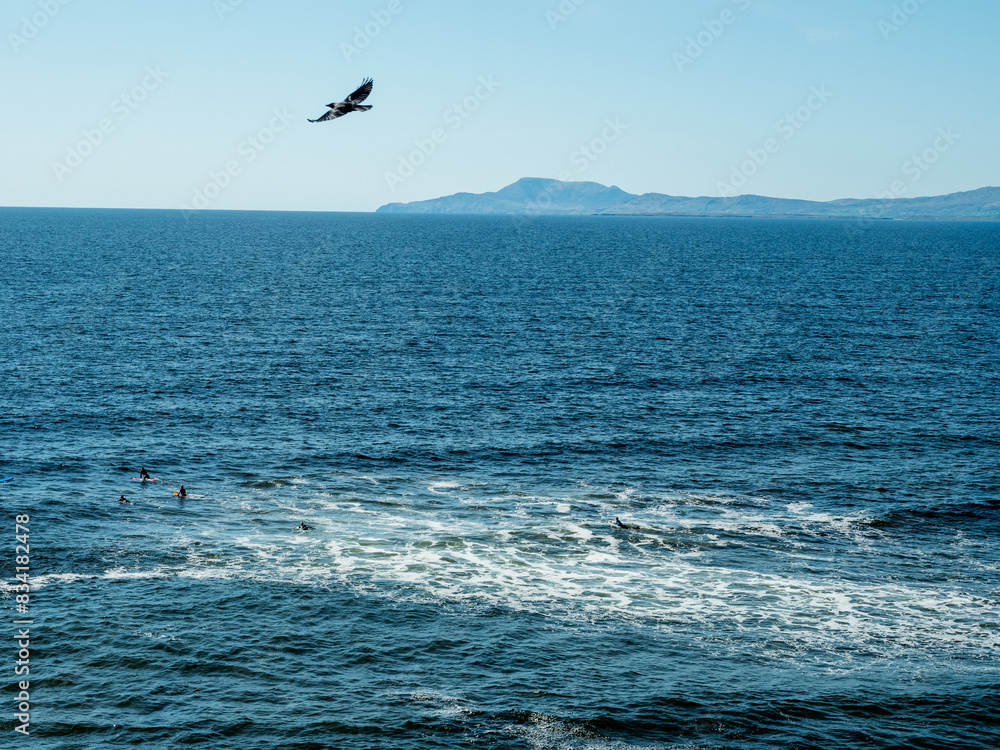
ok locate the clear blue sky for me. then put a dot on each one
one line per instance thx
(229, 84)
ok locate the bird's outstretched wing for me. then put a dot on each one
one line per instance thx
(362, 92)
(350, 104)
(332, 114)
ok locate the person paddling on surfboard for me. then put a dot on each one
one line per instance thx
(182, 492)
(143, 474)
(303, 527)
(620, 525)
(123, 501)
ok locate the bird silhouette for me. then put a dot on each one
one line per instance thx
(351, 104)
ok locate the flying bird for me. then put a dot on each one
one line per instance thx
(350, 104)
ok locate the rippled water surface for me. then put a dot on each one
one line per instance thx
(798, 419)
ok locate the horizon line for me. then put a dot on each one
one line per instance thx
(520, 179)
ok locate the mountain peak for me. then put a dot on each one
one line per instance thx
(561, 196)
(539, 195)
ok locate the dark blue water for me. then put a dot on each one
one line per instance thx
(800, 417)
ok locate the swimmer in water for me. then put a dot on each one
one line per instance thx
(182, 492)
(143, 474)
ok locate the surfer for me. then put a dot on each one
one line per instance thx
(303, 527)
(619, 524)
(143, 474)
(182, 492)
(123, 501)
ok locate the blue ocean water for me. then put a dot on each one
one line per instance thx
(798, 418)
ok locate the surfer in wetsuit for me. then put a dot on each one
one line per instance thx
(182, 492)
(303, 527)
(143, 474)
(619, 524)
(123, 501)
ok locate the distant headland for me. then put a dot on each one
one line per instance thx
(532, 195)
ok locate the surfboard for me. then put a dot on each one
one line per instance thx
(151, 479)
(8, 479)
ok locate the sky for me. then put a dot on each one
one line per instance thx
(204, 103)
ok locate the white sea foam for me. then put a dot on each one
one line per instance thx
(560, 558)
(553, 733)
(557, 564)
(442, 487)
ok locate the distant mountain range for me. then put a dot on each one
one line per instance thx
(532, 195)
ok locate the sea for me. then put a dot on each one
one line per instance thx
(797, 421)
